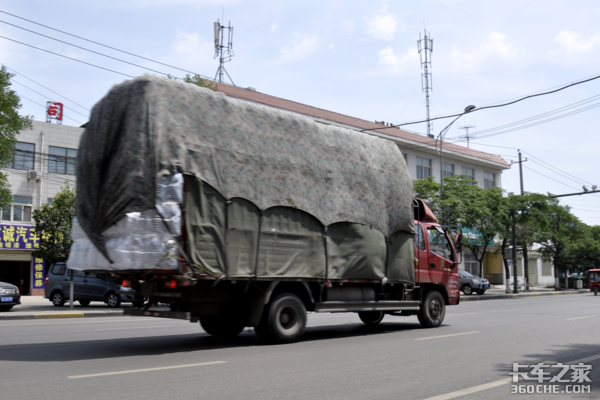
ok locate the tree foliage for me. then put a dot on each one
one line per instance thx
(54, 220)
(11, 122)
(198, 80)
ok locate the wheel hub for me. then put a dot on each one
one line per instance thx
(435, 309)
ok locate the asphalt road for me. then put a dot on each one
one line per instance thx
(338, 358)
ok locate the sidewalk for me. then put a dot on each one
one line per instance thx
(37, 307)
(498, 292)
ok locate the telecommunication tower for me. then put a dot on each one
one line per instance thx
(223, 51)
(425, 46)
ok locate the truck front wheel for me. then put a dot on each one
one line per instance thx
(371, 317)
(222, 326)
(284, 321)
(432, 310)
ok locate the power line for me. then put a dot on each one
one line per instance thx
(13, 81)
(83, 48)
(589, 183)
(502, 104)
(558, 173)
(562, 183)
(19, 74)
(70, 58)
(42, 105)
(103, 45)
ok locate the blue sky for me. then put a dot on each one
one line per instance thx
(354, 57)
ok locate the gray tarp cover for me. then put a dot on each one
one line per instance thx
(264, 156)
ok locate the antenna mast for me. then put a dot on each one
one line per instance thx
(425, 47)
(467, 127)
(222, 51)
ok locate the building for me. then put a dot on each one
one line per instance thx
(44, 160)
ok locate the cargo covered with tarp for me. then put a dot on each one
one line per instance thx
(268, 193)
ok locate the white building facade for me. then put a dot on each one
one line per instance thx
(44, 161)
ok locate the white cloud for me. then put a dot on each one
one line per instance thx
(186, 42)
(573, 42)
(387, 56)
(331, 46)
(383, 25)
(274, 26)
(495, 47)
(299, 47)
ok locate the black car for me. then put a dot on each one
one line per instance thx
(469, 283)
(9, 296)
(87, 287)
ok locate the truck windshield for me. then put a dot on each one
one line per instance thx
(439, 244)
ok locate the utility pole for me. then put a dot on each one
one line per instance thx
(526, 273)
(425, 47)
(467, 127)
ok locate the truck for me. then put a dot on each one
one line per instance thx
(235, 214)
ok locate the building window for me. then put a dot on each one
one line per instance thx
(50, 199)
(61, 160)
(489, 180)
(19, 211)
(24, 157)
(471, 265)
(448, 170)
(423, 168)
(469, 173)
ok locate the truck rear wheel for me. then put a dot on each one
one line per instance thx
(371, 317)
(222, 326)
(596, 291)
(283, 321)
(432, 310)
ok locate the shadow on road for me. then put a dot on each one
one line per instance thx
(172, 344)
(565, 354)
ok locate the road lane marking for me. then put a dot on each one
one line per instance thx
(132, 327)
(444, 336)
(494, 384)
(587, 316)
(99, 321)
(134, 371)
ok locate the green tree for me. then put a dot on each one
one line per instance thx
(54, 220)
(198, 80)
(11, 122)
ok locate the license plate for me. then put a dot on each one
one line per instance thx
(6, 299)
(486, 286)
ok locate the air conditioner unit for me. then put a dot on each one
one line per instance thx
(37, 175)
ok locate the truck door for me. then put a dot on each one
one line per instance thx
(441, 256)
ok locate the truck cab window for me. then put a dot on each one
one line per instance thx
(419, 239)
(439, 244)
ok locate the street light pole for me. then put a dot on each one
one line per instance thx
(440, 137)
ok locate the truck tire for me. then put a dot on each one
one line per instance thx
(283, 321)
(432, 310)
(222, 326)
(371, 317)
(596, 291)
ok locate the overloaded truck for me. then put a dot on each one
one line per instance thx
(236, 214)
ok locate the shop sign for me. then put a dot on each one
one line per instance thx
(19, 237)
(39, 273)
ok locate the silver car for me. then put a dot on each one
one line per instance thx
(469, 283)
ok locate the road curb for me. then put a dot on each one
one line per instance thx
(514, 296)
(61, 315)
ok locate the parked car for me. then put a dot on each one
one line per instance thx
(469, 283)
(9, 296)
(87, 287)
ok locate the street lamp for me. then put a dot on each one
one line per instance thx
(440, 137)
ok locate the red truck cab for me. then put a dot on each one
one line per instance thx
(436, 258)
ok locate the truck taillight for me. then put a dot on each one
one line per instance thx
(172, 284)
(126, 283)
